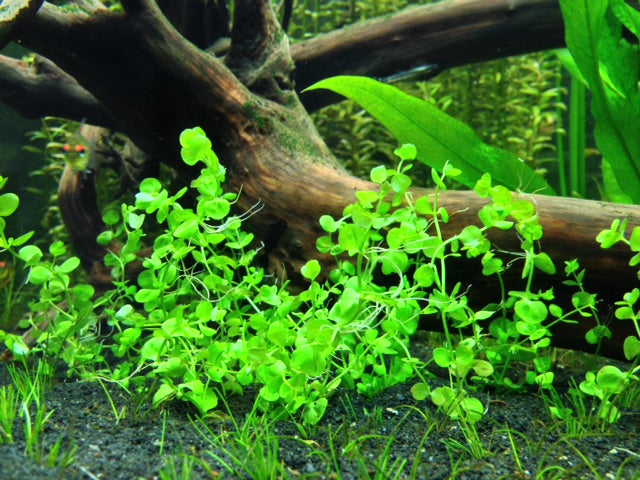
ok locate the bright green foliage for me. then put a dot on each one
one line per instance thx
(514, 104)
(439, 137)
(313, 17)
(608, 64)
(627, 307)
(608, 382)
(212, 322)
(203, 320)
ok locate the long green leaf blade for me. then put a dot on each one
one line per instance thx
(610, 66)
(438, 137)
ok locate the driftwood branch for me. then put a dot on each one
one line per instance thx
(259, 54)
(438, 36)
(13, 16)
(442, 35)
(39, 88)
(202, 22)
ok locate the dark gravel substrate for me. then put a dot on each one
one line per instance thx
(131, 449)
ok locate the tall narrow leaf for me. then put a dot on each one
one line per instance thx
(439, 137)
(609, 65)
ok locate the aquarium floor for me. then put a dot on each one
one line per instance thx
(358, 428)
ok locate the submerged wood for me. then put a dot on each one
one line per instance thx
(153, 83)
(438, 36)
(444, 35)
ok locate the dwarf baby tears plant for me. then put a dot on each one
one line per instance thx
(610, 381)
(203, 319)
(397, 270)
(58, 307)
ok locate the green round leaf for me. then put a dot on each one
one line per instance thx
(328, 224)
(531, 311)
(83, 292)
(153, 348)
(378, 174)
(367, 197)
(135, 221)
(631, 347)
(420, 391)
(57, 248)
(611, 379)
(216, 208)
(165, 392)
(423, 206)
(482, 368)
(597, 333)
(314, 411)
(310, 270)
(186, 228)
(408, 151)
(147, 295)
(400, 183)
(150, 185)
(473, 408)
(308, 360)
(69, 265)
(8, 204)
(39, 275)
(30, 254)
(443, 357)
(425, 275)
(111, 217)
(105, 237)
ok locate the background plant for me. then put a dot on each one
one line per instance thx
(607, 64)
(516, 104)
(442, 138)
(313, 17)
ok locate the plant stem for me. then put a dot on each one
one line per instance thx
(577, 140)
(562, 171)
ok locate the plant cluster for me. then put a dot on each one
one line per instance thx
(313, 17)
(203, 320)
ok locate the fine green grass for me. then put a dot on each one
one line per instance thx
(369, 440)
(23, 404)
